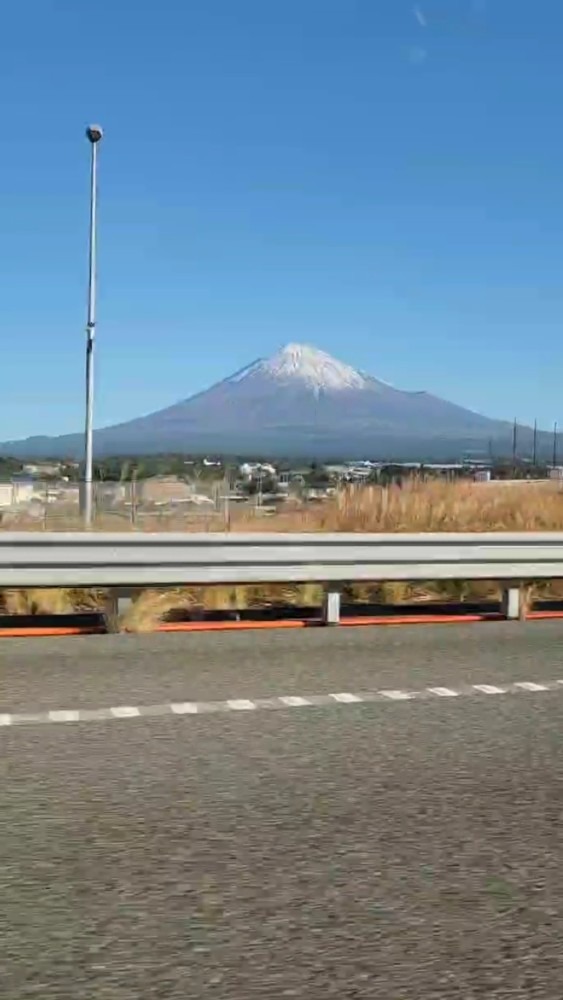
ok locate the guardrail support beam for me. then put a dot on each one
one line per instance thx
(331, 607)
(512, 605)
(117, 602)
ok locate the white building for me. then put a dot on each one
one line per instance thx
(256, 470)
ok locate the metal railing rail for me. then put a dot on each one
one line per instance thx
(131, 560)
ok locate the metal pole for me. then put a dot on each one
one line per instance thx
(94, 134)
(555, 445)
(535, 451)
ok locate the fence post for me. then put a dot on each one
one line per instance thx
(133, 500)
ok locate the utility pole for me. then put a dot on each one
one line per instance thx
(514, 445)
(93, 134)
(535, 449)
(555, 445)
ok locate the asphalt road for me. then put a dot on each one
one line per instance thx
(375, 849)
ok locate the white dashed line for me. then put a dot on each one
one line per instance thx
(64, 715)
(185, 708)
(398, 695)
(125, 711)
(279, 702)
(530, 686)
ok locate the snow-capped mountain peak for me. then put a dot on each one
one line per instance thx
(299, 402)
(315, 369)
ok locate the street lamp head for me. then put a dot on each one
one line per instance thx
(94, 133)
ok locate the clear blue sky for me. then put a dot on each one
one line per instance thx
(380, 179)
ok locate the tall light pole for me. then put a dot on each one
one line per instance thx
(93, 134)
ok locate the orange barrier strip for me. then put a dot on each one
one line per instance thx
(28, 633)
(284, 623)
(311, 622)
(420, 619)
(227, 626)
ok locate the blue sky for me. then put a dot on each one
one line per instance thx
(381, 179)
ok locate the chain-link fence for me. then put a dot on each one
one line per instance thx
(159, 503)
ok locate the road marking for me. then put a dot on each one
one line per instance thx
(530, 686)
(63, 715)
(398, 695)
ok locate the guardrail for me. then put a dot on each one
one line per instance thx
(126, 562)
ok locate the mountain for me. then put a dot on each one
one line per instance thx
(300, 402)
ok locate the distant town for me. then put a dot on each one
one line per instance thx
(166, 484)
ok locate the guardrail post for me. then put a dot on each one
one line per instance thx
(111, 611)
(116, 602)
(512, 604)
(331, 606)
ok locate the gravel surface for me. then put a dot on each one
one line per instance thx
(402, 851)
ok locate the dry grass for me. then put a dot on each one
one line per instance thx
(430, 506)
(416, 507)
(38, 601)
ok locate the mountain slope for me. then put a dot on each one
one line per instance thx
(301, 401)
